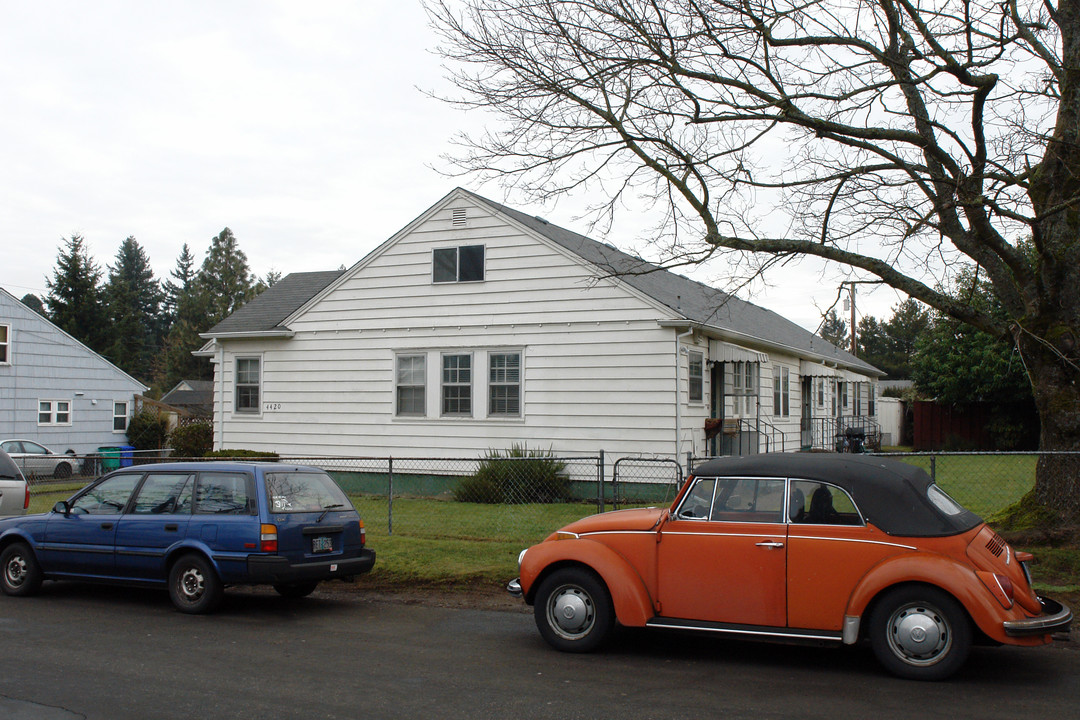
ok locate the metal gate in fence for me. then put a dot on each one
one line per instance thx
(636, 481)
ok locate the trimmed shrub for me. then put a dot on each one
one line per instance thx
(192, 440)
(516, 476)
(148, 430)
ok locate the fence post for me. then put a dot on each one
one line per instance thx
(390, 497)
(933, 468)
(600, 484)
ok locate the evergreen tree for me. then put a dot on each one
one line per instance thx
(179, 283)
(134, 303)
(76, 299)
(33, 302)
(225, 280)
(890, 345)
(834, 329)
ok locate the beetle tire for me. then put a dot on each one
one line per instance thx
(20, 574)
(194, 587)
(573, 610)
(920, 633)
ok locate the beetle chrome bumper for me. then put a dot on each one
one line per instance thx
(514, 587)
(1055, 617)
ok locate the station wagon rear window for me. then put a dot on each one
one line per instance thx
(292, 492)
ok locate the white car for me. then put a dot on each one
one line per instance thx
(37, 460)
(14, 490)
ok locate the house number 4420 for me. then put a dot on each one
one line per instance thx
(271, 406)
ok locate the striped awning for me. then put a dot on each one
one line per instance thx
(809, 368)
(720, 351)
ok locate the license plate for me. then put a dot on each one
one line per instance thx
(322, 543)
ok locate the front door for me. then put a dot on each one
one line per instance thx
(722, 556)
(82, 542)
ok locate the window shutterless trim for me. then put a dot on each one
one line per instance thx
(253, 405)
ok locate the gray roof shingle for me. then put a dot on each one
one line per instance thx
(270, 308)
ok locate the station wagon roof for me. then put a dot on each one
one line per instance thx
(891, 494)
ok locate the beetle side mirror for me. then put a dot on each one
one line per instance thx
(62, 507)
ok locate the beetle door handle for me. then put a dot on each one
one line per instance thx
(770, 544)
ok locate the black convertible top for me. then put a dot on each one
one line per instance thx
(891, 494)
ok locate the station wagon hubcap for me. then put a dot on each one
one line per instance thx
(919, 634)
(571, 612)
(15, 570)
(192, 583)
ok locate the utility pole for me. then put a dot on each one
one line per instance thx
(850, 285)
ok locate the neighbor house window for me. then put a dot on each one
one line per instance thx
(5, 344)
(781, 392)
(858, 399)
(54, 412)
(119, 417)
(871, 402)
(821, 392)
(247, 385)
(504, 384)
(696, 380)
(458, 264)
(411, 384)
(457, 384)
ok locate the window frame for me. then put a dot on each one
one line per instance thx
(399, 385)
(116, 417)
(456, 384)
(695, 381)
(441, 278)
(781, 392)
(54, 412)
(5, 344)
(237, 386)
(492, 384)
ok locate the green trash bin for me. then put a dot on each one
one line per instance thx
(110, 458)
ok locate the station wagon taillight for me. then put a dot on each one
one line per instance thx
(363, 534)
(268, 538)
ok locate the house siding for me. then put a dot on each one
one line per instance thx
(46, 363)
(584, 343)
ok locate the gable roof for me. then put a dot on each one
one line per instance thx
(692, 300)
(696, 303)
(264, 314)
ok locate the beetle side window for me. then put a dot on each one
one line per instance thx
(108, 497)
(817, 503)
(748, 500)
(697, 503)
(223, 493)
(160, 493)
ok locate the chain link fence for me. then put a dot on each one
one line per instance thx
(519, 501)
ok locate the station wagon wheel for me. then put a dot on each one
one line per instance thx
(920, 633)
(194, 587)
(573, 610)
(20, 574)
(296, 590)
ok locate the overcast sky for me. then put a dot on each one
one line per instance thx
(299, 125)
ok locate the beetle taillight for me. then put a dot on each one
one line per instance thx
(268, 538)
(1000, 586)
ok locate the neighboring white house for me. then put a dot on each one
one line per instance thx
(477, 326)
(54, 389)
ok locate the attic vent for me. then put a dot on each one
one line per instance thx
(459, 218)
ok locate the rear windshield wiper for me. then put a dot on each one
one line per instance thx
(327, 509)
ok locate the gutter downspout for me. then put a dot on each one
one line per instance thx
(678, 396)
(221, 372)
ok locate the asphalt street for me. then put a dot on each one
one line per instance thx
(80, 651)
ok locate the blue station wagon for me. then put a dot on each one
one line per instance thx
(193, 528)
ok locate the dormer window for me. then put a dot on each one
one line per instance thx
(458, 264)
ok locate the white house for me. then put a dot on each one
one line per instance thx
(55, 390)
(477, 326)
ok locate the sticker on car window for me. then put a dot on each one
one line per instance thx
(281, 503)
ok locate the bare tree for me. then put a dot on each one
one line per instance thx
(904, 138)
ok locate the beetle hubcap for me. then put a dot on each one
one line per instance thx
(919, 634)
(571, 611)
(192, 583)
(16, 570)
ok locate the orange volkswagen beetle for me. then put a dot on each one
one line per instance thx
(795, 547)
